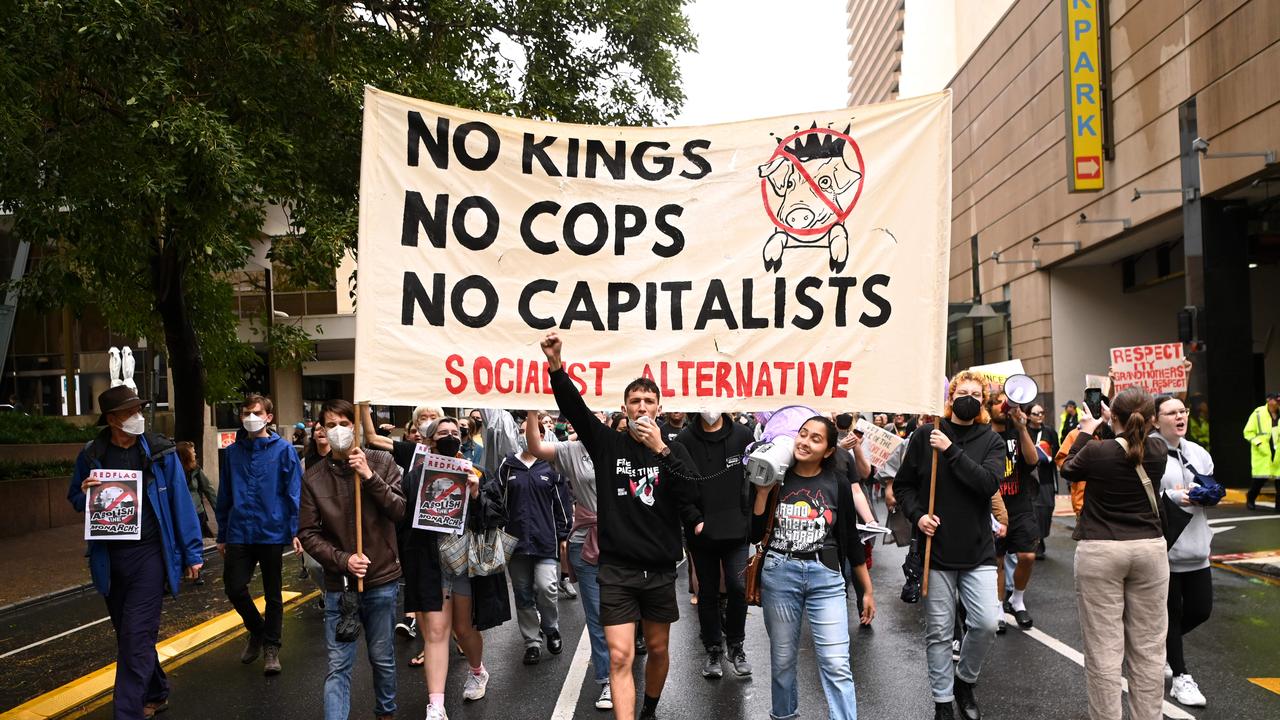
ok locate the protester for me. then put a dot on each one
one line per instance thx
(449, 605)
(132, 574)
(1121, 565)
(645, 495)
(1067, 421)
(471, 449)
(572, 461)
(538, 511)
(814, 532)
(1260, 432)
(970, 465)
(1046, 442)
(1018, 489)
(671, 425)
(717, 446)
(327, 532)
(1190, 581)
(477, 427)
(402, 450)
(318, 448)
(257, 510)
(200, 488)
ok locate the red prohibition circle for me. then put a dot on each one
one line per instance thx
(840, 215)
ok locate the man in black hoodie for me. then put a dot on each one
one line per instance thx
(962, 558)
(717, 445)
(645, 491)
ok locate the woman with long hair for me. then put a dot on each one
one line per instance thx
(450, 605)
(814, 532)
(1121, 564)
(200, 487)
(1187, 482)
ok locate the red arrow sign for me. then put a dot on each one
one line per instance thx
(1088, 167)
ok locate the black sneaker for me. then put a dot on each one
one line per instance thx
(646, 714)
(1024, 619)
(943, 711)
(966, 703)
(1001, 627)
(738, 658)
(408, 627)
(554, 643)
(641, 648)
(252, 646)
(711, 666)
(532, 655)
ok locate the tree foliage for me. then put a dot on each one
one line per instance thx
(141, 142)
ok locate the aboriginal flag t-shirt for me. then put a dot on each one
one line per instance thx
(1020, 483)
(805, 519)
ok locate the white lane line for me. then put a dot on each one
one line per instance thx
(1215, 521)
(1075, 656)
(51, 638)
(567, 703)
(73, 630)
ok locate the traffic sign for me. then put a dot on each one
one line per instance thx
(1082, 78)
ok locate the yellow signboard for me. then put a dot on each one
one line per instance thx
(1082, 76)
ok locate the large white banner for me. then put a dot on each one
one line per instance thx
(745, 266)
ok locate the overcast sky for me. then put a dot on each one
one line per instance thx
(759, 58)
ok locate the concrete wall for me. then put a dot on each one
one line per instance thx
(1009, 155)
(1090, 314)
(875, 49)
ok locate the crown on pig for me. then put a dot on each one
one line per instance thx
(814, 146)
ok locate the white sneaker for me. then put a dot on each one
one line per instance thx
(1168, 672)
(436, 713)
(1186, 692)
(605, 701)
(475, 685)
(567, 588)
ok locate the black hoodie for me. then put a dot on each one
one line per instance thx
(724, 497)
(642, 498)
(969, 473)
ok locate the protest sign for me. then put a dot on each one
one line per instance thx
(113, 509)
(441, 505)
(743, 266)
(1101, 382)
(878, 442)
(997, 373)
(1158, 369)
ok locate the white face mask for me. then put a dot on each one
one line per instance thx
(254, 423)
(710, 418)
(341, 438)
(135, 425)
(425, 429)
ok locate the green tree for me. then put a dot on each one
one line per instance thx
(141, 141)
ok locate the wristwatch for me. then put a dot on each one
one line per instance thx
(666, 450)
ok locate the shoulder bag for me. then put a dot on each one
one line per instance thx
(755, 566)
(1173, 519)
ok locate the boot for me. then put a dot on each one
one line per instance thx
(942, 711)
(965, 701)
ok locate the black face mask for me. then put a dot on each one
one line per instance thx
(966, 407)
(448, 446)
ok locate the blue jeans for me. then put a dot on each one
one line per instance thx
(378, 611)
(589, 593)
(791, 591)
(976, 588)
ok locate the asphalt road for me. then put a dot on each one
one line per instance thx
(1027, 674)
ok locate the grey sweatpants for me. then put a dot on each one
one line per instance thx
(535, 585)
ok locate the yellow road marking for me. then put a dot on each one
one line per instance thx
(97, 685)
(1272, 684)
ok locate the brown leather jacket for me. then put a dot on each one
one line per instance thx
(327, 519)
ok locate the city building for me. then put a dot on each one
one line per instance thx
(1115, 184)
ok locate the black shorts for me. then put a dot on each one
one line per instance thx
(422, 577)
(628, 595)
(1023, 535)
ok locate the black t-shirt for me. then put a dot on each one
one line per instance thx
(118, 458)
(805, 519)
(1020, 483)
(671, 432)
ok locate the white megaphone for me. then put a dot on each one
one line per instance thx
(1020, 390)
(768, 462)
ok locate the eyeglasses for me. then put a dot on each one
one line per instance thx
(1176, 413)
